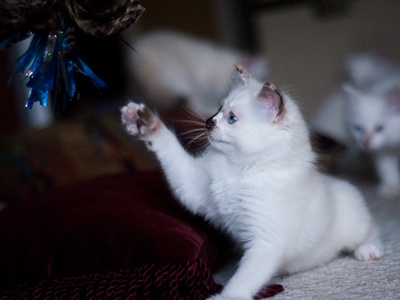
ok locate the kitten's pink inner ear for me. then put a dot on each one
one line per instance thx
(271, 99)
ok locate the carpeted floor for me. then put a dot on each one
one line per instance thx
(347, 278)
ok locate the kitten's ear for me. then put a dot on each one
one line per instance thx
(242, 73)
(271, 101)
(392, 98)
(352, 93)
(256, 65)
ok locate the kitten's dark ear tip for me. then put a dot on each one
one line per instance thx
(274, 87)
(244, 75)
(240, 68)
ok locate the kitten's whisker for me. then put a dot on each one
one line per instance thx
(196, 138)
(209, 147)
(194, 113)
(192, 131)
(191, 122)
(203, 142)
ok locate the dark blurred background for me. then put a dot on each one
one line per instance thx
(304, 41)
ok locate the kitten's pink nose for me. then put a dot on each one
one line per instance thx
(366, 141)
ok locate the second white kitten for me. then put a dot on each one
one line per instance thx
(170, 65)
(366, 117)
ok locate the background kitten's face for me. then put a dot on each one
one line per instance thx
(368, 120)
(366, 68)
(371, 119)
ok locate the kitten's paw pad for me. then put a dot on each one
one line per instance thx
(389, 191)
(138, 119)
(368, 252)
(130, 117)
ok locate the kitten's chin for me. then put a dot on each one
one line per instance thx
(219, 144)
(216, 141)
(369, 148)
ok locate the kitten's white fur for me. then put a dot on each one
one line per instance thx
(177, 65)
(259, 183)
(367, 117)
(366, 68)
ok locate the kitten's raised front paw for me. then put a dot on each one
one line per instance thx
(368, 252)
(139, 120)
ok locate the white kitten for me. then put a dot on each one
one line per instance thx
(364, 69)
(259, 183)
(367, 118)
(179, 66)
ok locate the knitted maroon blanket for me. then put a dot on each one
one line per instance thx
(114, 237)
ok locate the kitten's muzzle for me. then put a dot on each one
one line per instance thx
(210, 123)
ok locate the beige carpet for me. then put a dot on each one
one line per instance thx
(347, 278)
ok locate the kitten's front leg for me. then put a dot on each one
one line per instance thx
(187, 177)
(387, 167)
(258, 264)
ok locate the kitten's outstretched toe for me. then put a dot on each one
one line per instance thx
(368, 252)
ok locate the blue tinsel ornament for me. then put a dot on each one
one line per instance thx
(50, 68)
(51, 59)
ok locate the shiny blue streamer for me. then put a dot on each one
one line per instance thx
(37, 94)
(35, 60)
(37, 45)
(44, 78)
(15, 37)
(55, 74)
(71, 84)
(69, 70)
(84, 68)
(43, 70)
(35, 57)
(71, 76)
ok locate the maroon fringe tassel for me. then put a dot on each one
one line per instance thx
(269, 291)
(189, 281)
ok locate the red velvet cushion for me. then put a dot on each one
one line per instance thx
(100, 225)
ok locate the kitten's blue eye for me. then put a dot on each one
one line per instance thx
(359, 129)
(232, 118)
(379, 128)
